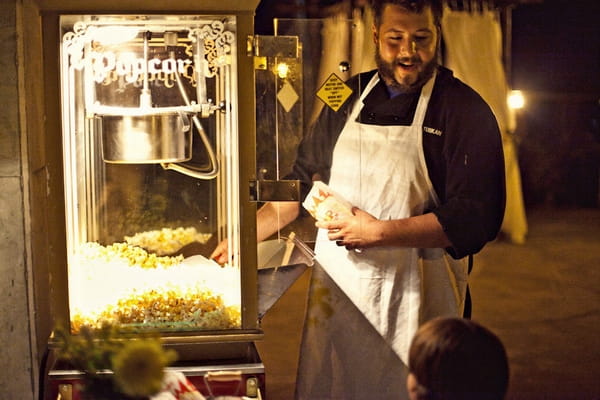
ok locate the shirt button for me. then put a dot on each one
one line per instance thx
(371, 116)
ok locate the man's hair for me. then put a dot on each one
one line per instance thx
(416, 6)
(455, 358)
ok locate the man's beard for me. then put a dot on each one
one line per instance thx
(386, 70)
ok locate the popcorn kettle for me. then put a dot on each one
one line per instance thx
(160, 135)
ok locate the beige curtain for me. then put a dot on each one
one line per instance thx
(363, 46)
(335, 35)
(474, 53)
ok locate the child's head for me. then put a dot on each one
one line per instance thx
(456, 359)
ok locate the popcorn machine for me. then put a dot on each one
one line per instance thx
(149, 132)
(158, 151)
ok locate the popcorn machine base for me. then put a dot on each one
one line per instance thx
(238, 373)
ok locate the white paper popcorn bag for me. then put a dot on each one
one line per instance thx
(326, 205)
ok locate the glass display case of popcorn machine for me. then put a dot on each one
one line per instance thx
(158, 149)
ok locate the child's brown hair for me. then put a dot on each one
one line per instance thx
(458, 359)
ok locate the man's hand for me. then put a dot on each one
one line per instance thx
(269, 218)
(219, 254)
(360, 231)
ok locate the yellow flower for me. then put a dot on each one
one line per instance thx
(138, 367)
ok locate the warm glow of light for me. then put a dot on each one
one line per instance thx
(516, 100)
(136, 144)
(282, 70)
(98, 282)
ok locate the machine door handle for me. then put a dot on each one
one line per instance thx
(269, 190)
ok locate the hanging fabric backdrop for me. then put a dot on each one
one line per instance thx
(473, 42)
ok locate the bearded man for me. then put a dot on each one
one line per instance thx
(419, 156)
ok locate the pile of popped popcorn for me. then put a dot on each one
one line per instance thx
(166, 240)
(123, 284)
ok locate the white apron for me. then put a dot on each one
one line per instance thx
(382, 170)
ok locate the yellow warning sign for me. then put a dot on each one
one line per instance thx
(334, 92)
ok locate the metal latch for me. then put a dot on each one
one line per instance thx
(65, 391)
(273, 46)
(269, 190)
(252, 389)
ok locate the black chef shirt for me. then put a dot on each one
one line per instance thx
(461, 143)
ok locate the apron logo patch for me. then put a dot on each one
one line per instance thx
(436, 132)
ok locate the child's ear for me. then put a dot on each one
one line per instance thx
(412, 387)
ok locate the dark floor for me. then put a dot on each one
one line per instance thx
(541, 298)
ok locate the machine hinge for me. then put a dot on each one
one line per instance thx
(273, 46)
(269, 190)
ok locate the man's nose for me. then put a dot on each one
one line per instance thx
(408, 48)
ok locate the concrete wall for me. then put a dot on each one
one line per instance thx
(16, 372)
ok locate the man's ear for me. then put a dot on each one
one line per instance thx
(374, 30)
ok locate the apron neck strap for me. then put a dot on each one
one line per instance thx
(426, 91)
